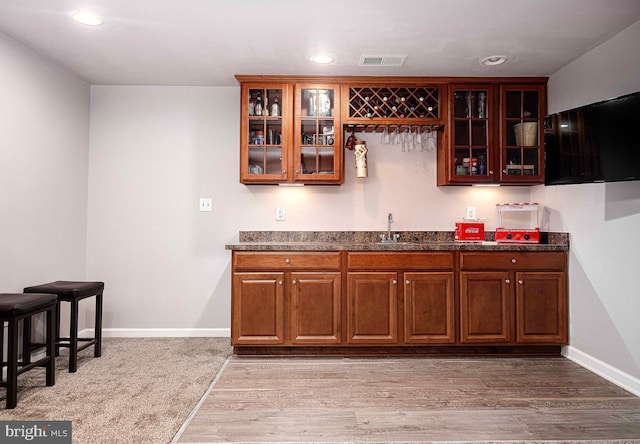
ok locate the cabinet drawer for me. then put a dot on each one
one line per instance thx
(513, 260)
(400, 261)
(258, 260)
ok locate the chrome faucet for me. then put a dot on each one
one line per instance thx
(388, 237)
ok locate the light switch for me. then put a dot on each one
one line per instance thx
(206, 203)
(280, 213)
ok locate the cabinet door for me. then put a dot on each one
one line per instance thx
(317, 134)
(471, 126)
(541, 307)
(315, 308)
(429, 308)
(264, 132)
(372, 301)
(257, 304)
(485, 308)
(523, 108)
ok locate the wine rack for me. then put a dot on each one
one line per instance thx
(391, 103)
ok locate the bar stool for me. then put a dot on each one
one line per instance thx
(15, 307)
(73, 292)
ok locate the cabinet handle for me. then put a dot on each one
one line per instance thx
(407, 282)
(513, 261)
(280, 282)
(286, 261)
(395, 282)
(520, 281)
(508, 281)
(294, 282)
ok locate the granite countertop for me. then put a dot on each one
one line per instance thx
(369, 241)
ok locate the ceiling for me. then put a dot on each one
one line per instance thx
(206, 42)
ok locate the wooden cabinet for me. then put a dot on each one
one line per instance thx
(286, 298)
(290, 132)
(429, 310)
(359, 301)
(372, 304)
(494, 133)
(400, 298)
(318, 134)
(522, 111)
(513, 297)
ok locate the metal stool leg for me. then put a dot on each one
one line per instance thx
(51, 347)
(97, 348)
(73, 338)
(12, 364)
(26, 340)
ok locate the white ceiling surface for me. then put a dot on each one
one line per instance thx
(206, 42)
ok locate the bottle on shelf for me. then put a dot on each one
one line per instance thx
(482, 165)
(252, 105)
(275, 107)
(258, 108)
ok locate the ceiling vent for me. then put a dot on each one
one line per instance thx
(389, 60)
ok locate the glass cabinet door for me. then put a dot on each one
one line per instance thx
(471, 133)
(318, 145)
(523, 110)
(263, 138)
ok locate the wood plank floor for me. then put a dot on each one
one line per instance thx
(373, 400)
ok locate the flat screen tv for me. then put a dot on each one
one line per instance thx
(599, 142)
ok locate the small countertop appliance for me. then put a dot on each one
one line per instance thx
(517, 231)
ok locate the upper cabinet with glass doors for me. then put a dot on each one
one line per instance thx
(523, 108)
(471, 123)
(264, 137)
(495, 134)
(317, 134)
(290, 133)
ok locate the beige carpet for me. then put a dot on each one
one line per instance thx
(140, 390)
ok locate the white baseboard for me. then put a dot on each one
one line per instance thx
(159, 333)
(600, 368)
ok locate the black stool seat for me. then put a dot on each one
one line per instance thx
(15, 307)
(73, 292)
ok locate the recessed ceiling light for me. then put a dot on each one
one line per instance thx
(322, 59)
(87, 18)
(493, 60)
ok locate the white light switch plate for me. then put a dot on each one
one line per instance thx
(206, 203)
(280, 213)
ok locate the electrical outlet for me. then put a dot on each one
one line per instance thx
(471, 213)
(280, 213)
(206, 203)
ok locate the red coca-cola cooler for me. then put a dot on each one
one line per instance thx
(518, 223)
(469, 231)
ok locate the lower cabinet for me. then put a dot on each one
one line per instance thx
(404, 298)
(513, 298)
(399, 299)
(372, 305)
(297, 302)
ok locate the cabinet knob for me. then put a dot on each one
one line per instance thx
(294, 282)
(280, 282)
(520, 281)
(504, 171)
(491, 172)
(395, 282)
(508, 281)
(284, 171)
(407, 282)
(286, 261)
(513, 261)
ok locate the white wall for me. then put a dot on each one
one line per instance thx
(603, 219)
(44, 140)
(155, 150)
